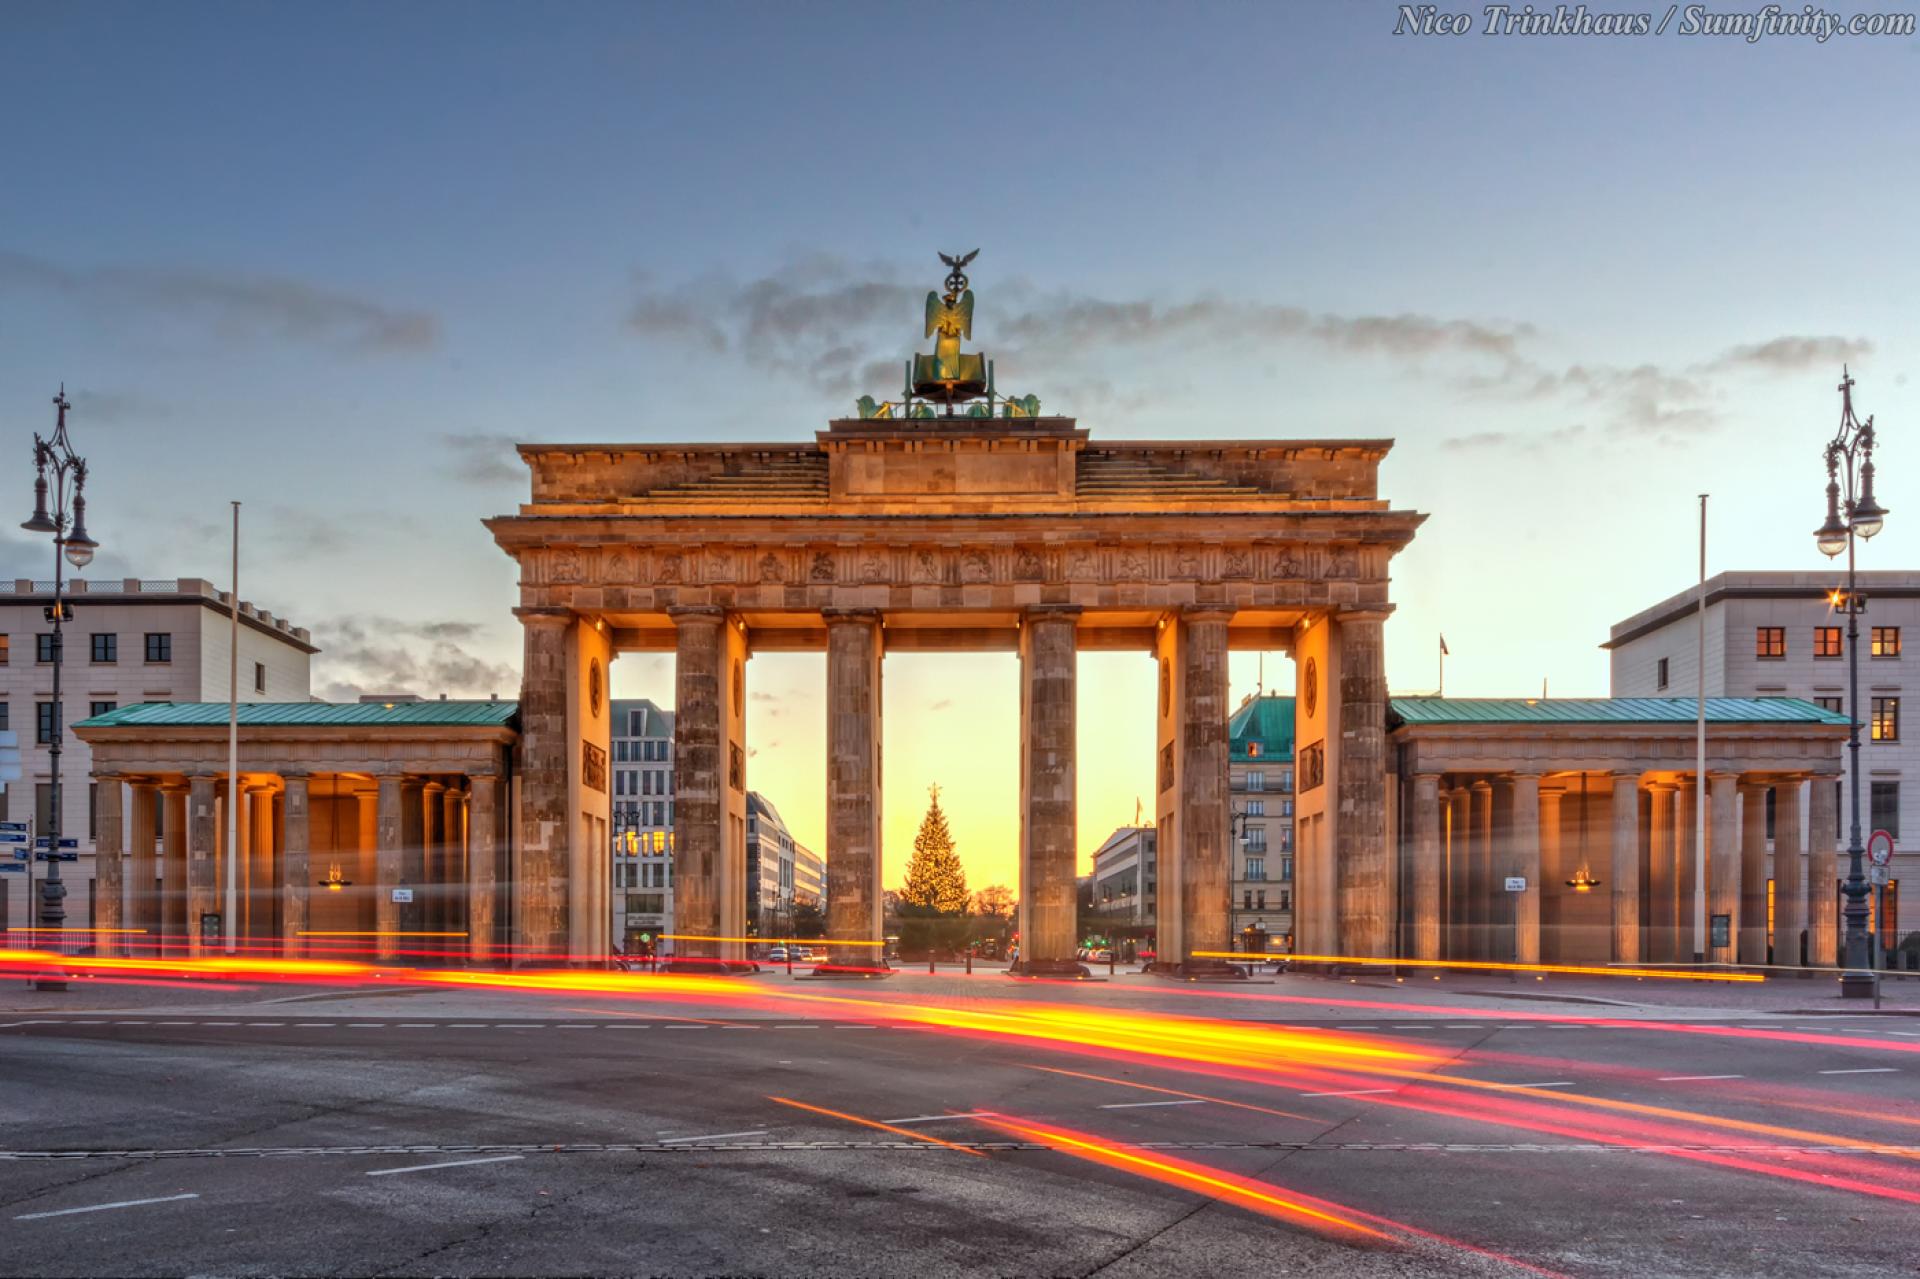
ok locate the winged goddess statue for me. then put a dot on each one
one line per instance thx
(951, 317)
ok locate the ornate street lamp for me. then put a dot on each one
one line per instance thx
(59, 473)
(1852, 514)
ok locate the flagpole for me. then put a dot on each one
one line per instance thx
(232, 906)
(1700, 752)
(1443, 667)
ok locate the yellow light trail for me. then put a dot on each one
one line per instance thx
(1488, 965)
(875, 1123)
(770, 941)
(347, 932)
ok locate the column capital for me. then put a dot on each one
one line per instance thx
(535, 616)
(1628, 774)
(1052, 612)
(109, 776)
(688, 614)
(1347, 615)
(433, 787)
(851, 616)
(1207, 613)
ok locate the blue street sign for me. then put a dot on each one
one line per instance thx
(14, 827)
(65, 842)
(13, 837)
(11, 870)
(56, 857)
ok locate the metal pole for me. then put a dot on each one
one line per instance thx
(233, 743)
(53, 893)
(1857, 980)
(1700, 754)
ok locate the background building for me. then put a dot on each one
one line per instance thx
(642, 743)
(1121, 893)
(132, 640)
(809, 877)
(1778, 635)
(770, 869)
(1260, 771)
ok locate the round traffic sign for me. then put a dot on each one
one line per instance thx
(1880, 848)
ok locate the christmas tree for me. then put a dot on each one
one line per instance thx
(935, 880)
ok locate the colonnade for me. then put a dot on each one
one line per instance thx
(1623, 890)
(381, 862)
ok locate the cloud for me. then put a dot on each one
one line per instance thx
(1515, 439)
(1792, 354)
(482, 458)
(372, 654)
(235, 306)
(760, 695)
(944, 703)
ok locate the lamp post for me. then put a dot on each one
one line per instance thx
(1851, 515)
(55, 459)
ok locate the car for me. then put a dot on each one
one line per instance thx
(1099, 955)
(778, 955)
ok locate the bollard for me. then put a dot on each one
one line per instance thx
(969, 961)
(1110, 961)
(929, 961)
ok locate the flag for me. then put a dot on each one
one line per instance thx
(1443, 647)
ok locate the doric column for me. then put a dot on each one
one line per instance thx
(1459, 931)
(1752, 937)
(453, 862)
(389, 862)
(1480, 874)
(699, 742)
(143, 902)
(109, 868)
(853, 783)
(1723, 862)
(546, 746)
(483, 847)
(427, 893)
(413, 856)
(1048, 835)
(1550, 837)
(173, 869)
(1662, 897)
(1364, 857)
(1426, 866)
(1789, 874)
(1626, 868)
(201, 879)
(1205, 853)
(296, 878)
(262, 872)
(1687, 946)
(1823, 873)
(1525, 862)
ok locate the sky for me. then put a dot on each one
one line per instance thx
(333, 260)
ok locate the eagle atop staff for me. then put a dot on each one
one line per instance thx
(948, 375)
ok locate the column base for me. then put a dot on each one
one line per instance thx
(1855, 985)
(709, 967)
(1199, 970)
(838, 970)
(1071, 969)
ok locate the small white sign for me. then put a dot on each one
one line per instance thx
(1878, 876)
(403, 894)
(1516, 883)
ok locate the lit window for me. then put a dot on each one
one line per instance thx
(1886, 719)
(1886, 641)
(1770, 641)
(1826, 641)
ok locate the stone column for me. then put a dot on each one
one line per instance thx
(1048, 835)
(413, 858)
(427, 893)
(1480, 874)
(173, 870)
(854, 659)
(1823, 872)
(1723, 862)
(1662, 896)
(1205, 853)
(1550, 839)
(201, 845)
(1365, 857)
(1687, 947)
(482, 834)
(1459, 931)
(1626, 868)
(1526, 862)
(109, 868)
(1752, 937)
(262, 873)
(389, 863)
(1789, 874)
(546, 749)
(296, 878)
(1426, 866)
(366, 850)
(700, 774)
(453, 864)
(143, 903)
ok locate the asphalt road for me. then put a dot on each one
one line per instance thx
(256, 1138)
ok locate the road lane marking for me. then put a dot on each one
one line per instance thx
(1676, 1079)
(1357, 1092)
(129, 1023)
(713, 1136)
(310, 1025)
(681, 1025)
(934, 1119)
(1551, 1083)
(516, 1025)
(1864, 1070)
(457, 1163)
(266, 1023)
(1139, 1105)
(466, 1025)
(124, 1203)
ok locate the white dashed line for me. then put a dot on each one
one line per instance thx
(713, 1136)
(314, 1025)
(1142, 1105)
(1864, 1070)
(784, 1026)
(516, 1025)
(1680, 1079)
(1551, 1083)
(1357, 1092)
(934, 1119)
(680, 1025)
(124, 1203)
(466, 1025)
(129, 1023)
(266, 1023)
(457, 1163)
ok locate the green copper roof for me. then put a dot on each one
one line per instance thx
(1267, 721)
(1608, 710)
(307, 715)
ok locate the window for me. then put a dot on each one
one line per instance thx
(5, 648)
(1286, 899)
(259, 677)
(93, 810)
(1257, 838)
(1769, 641)
(42, 807)
(1660, 673)
(43, 648)
(1886, 807)
(1260, 899)
(1886, 719)
(46, 723)
(101, 708)
(1253, 750)
(159, 647)
(1246, 900)
(4, 717)
(1256, 808)
(1256, 780)
(620, 751)
(1826, 641)
(106, 648)
(1886, 641)
(1829, 704)
(1286, 869)
(1286, 779)
(1256, 868)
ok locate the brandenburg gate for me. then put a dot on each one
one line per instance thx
(955, 518)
